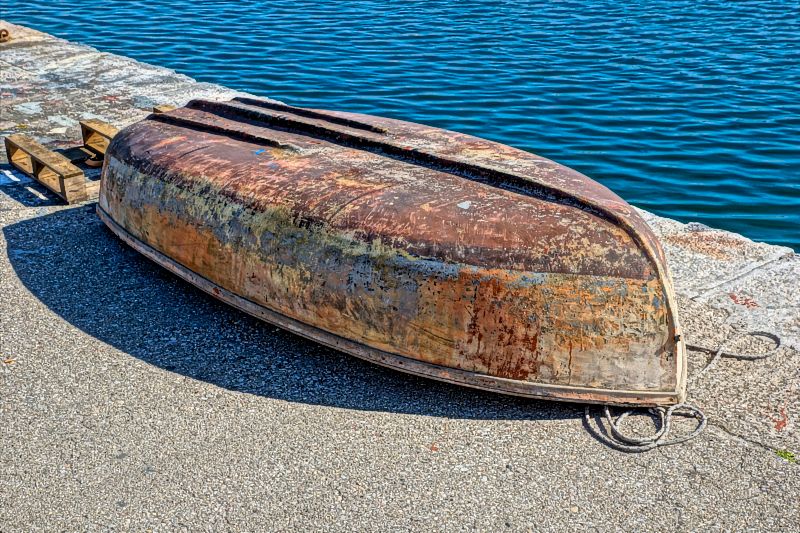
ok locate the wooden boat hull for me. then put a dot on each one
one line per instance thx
(427, 251)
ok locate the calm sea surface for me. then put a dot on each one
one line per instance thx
(690, 109)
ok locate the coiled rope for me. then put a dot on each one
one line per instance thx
(617, 439)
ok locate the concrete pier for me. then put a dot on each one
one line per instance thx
(130, 400)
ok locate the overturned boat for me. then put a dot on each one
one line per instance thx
(424, 250)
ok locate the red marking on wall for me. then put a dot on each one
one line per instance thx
(433, 447)
(780, 423)
(743, 300)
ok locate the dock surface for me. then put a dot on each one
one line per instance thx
(130, 400)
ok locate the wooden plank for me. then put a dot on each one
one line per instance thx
(17, 156)
(97, 135)
(49, 168)
(163, 108)
(92, 188)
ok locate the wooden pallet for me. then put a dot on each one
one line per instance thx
(49, 168)
(97, 135)
(57, 172)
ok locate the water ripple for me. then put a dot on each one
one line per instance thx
(687, 109)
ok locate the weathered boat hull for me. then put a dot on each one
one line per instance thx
(427, 251)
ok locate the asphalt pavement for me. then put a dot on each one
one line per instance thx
(130, 400)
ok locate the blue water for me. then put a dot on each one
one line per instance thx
(690, 109)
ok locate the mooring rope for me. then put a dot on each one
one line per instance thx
(720, 353)
(617, 439)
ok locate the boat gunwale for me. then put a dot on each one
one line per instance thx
(641, 398)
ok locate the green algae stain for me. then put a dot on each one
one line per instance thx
(786, 455)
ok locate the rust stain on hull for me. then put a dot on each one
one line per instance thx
(430, 251)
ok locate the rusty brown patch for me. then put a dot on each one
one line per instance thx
(745, 301)
(782, 421)
(402, 257)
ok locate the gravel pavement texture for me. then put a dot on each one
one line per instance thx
(129, 400)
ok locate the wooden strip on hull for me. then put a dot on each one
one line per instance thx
(389, 360)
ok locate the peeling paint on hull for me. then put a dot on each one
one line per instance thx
(433, 252)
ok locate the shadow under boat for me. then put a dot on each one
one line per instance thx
(82, 272)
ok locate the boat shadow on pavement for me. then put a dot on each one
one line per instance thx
(82, 272)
